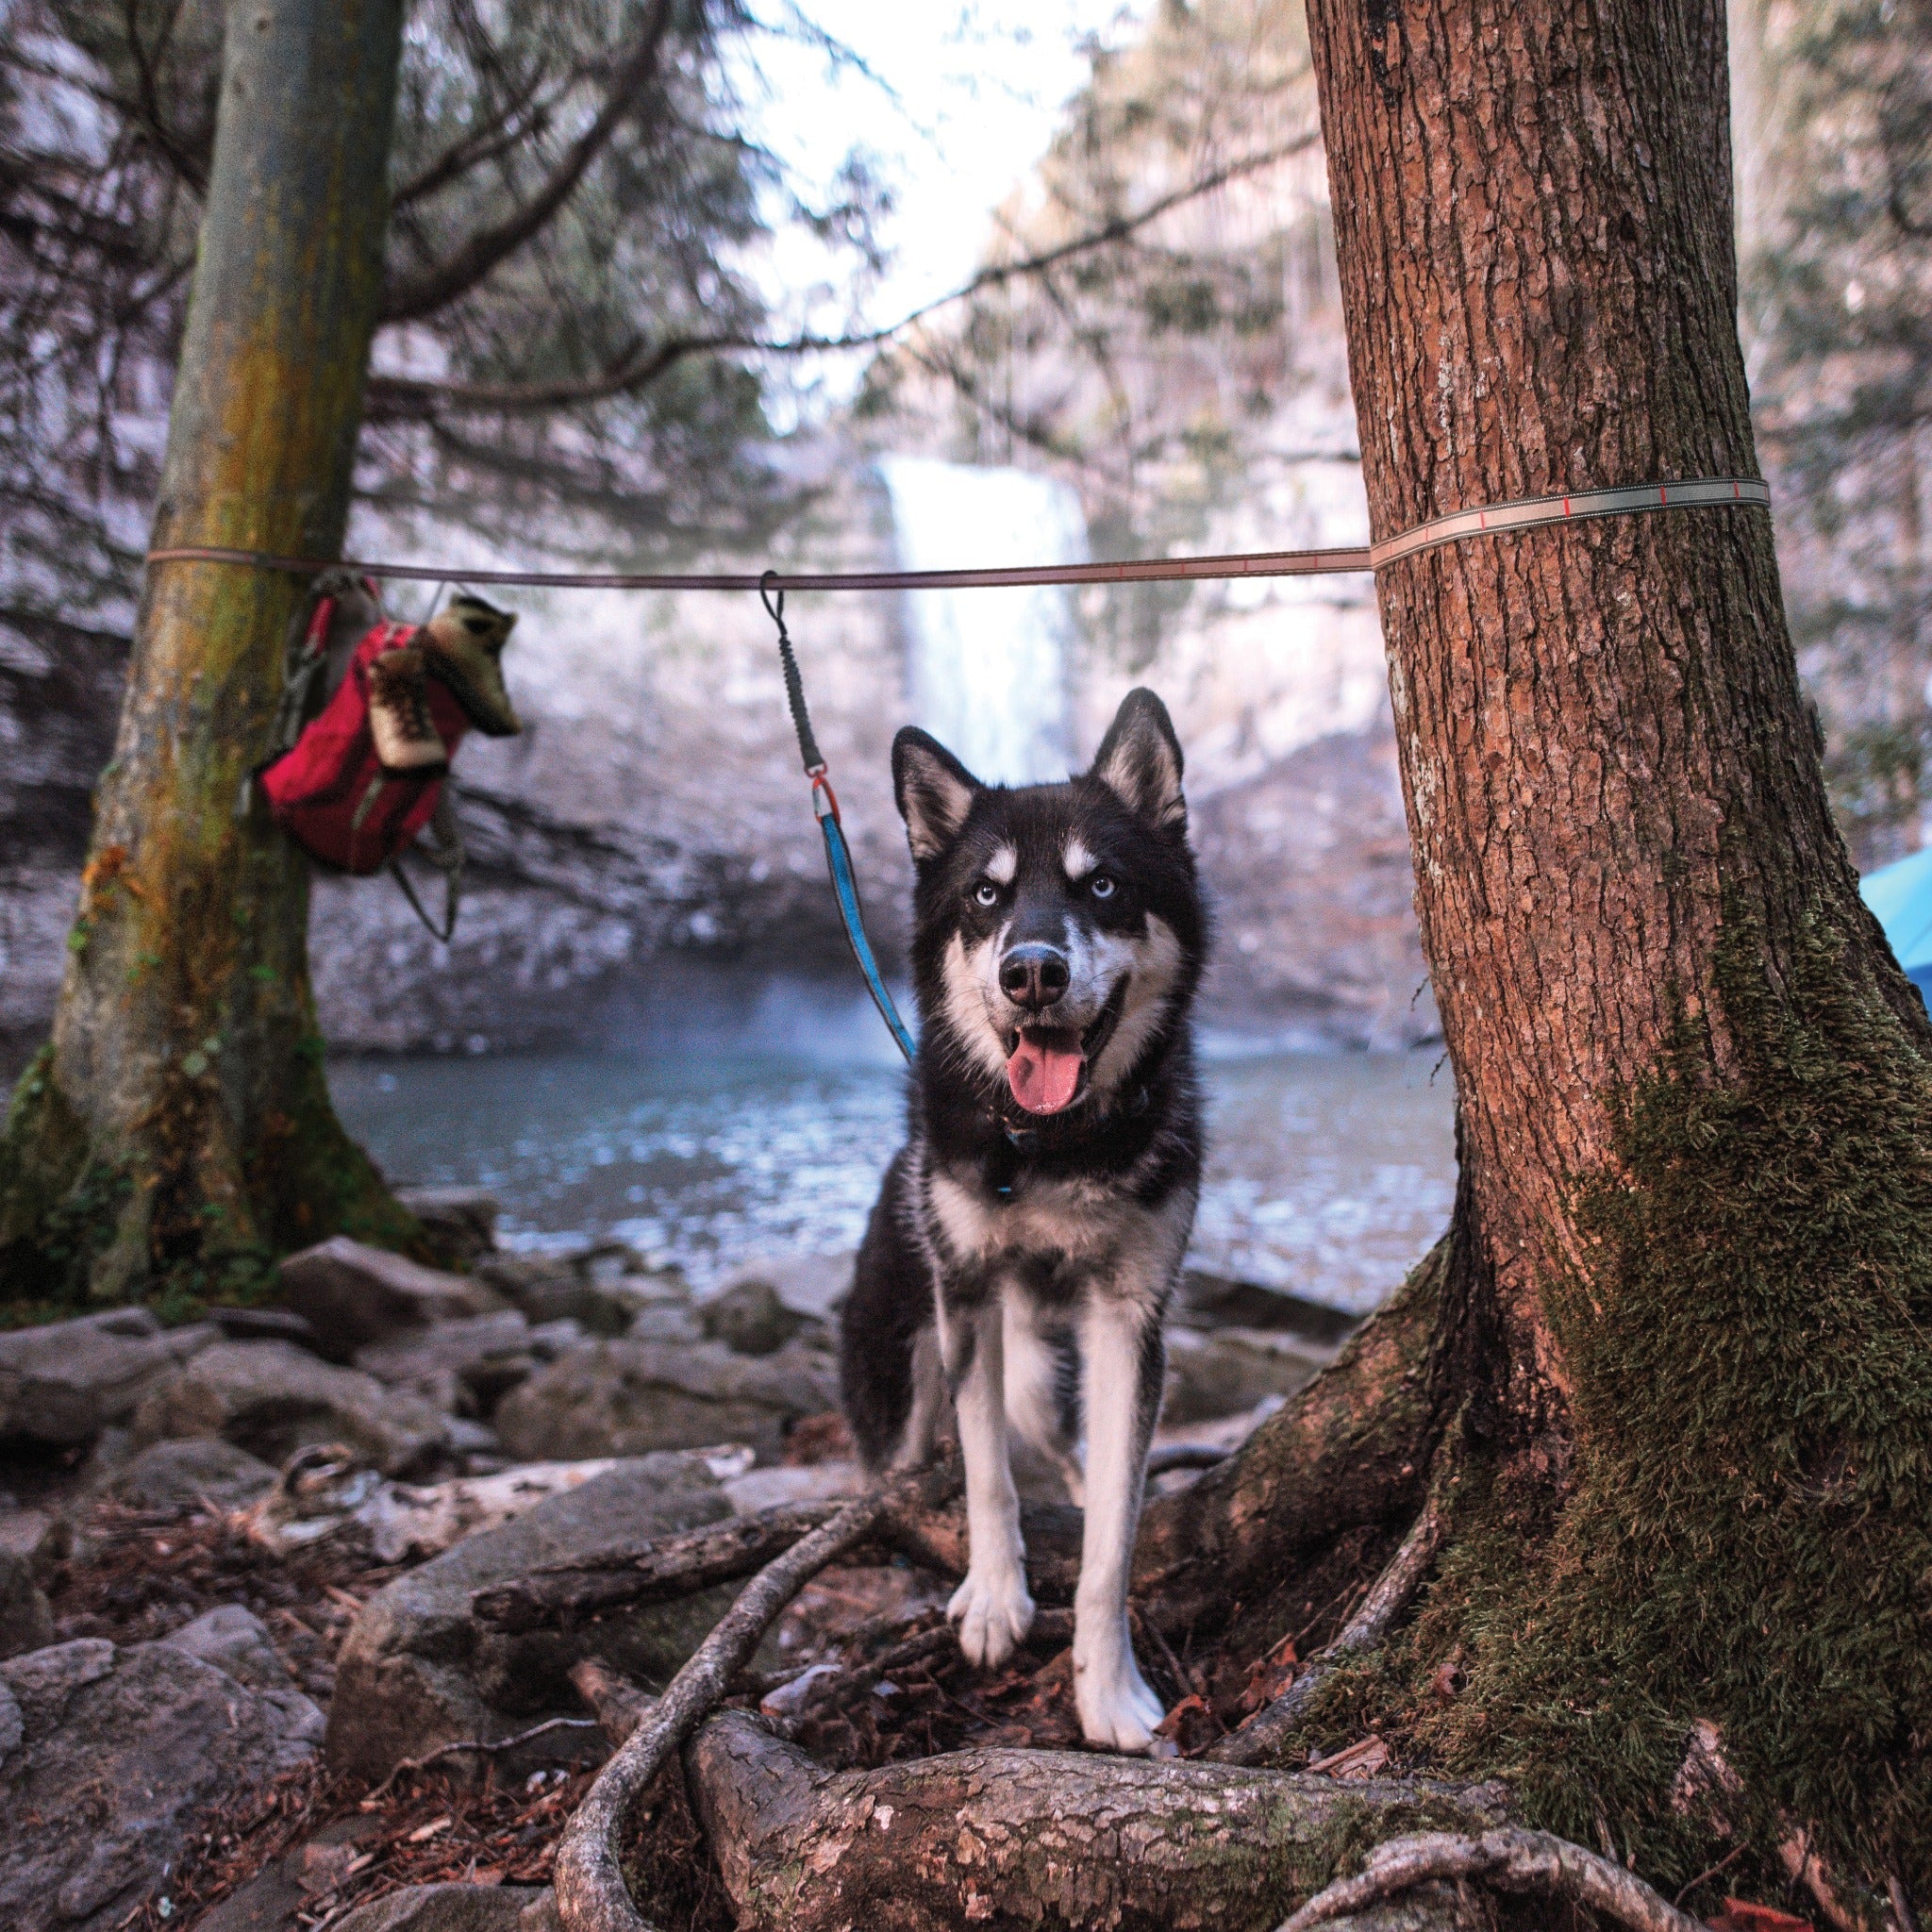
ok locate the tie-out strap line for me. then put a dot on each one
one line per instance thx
(1696, 493)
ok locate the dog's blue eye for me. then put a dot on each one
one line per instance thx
(986, 892)
(1101, 886)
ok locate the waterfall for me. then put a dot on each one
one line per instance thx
(989, 668)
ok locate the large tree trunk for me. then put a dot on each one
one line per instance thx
(177, 1131)
(1694, 1249)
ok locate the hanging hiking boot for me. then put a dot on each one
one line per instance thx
(462, 646)
(407, 744)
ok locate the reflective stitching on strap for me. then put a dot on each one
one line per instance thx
(1697, 494)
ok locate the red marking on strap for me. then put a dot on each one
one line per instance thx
(1483, 518)
(318, 625)
(1663, 496)
(1566, 506)
(820, 782)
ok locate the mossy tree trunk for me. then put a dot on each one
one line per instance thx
(1691, 1270)
(177, 1132)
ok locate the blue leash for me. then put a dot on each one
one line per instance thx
(824, 803)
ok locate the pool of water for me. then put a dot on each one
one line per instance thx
(1328, 1175)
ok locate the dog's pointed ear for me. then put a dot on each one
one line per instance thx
(934, 790)
(1139, 761)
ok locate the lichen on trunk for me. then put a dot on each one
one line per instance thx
(176, 1134)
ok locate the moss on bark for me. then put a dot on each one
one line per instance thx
(1738, 1532)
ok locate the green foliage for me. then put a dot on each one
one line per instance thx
(1744, 1535)
(107, 119)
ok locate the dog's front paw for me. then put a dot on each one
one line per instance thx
(992, 1612)
(1118, 1710)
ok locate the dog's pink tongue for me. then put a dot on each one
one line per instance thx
(1043, 1073)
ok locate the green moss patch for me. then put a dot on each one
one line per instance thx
(1744, 1531)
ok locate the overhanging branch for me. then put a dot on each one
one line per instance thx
(394, 398)
(439, 286)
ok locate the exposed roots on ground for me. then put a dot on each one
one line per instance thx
(591, 1895)
(1509, 1859)
(1031, 1837)
(1271, 1730)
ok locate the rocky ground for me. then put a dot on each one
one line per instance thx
(252, 1674)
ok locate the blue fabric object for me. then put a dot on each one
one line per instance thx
(839, 862)
(1899, 897)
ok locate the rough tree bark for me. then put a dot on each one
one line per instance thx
(177, 1131)
(1030, 1838)
(1691, 1268)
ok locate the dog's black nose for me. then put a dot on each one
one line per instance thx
(1034, 975)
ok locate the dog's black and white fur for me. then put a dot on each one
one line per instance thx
(1020, 1260)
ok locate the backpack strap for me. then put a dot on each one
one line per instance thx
(446, 853)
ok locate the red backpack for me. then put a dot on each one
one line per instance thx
(328, 790)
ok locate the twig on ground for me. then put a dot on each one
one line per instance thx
(489, 1745)
(655, 1572)
(620, 1705)
(591, 1895)
(1510, 1860)
(1265, 1734)
(1730, 1858)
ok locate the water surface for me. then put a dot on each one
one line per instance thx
(1328, 1173)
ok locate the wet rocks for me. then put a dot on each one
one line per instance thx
(749, 1318)
(417, 1670)
(270, 1399)
(464, 1367)
(352, 1296)
(604, 1290)
(111, 1759)
(626, 1398)
(63, 1384)
(459, 1222)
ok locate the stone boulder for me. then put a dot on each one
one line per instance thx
(1226, 1371)
(31, 1544)
(750, 1319)
(178, 1478)
(234, 1639)
(461, 1367)
(63, 1384)
(449, 1908)
(352, 1296)
(602, 1301)
(459, 1222)
(814, 1285)
(625, 1398)
(270, 1400)
(417, 1670)
(112, 1760)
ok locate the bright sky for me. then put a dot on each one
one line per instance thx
(965, 97)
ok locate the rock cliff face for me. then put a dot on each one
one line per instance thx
(651, 817)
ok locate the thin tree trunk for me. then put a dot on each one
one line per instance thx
(178, 1132)
(1692, 1085)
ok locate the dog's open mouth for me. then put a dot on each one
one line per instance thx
(1046, 1067)
(1048, 1064)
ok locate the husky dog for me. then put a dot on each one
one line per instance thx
(1028, 1234)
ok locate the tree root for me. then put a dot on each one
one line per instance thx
(1268, 1732)
(1029, 1838)
(591, 1895)
(561, 1594)
(1352, 1450)
(1510, 1860)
